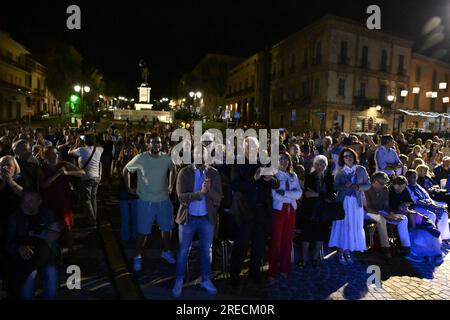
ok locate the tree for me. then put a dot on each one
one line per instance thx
(64, 69)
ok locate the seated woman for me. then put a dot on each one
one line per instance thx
(423, 203)
(431, 186)
(416, 162)
(434, 156)
(318, 188)
(415, 154)
(425, 238)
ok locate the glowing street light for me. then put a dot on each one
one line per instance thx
(195, 96)
(82, 89)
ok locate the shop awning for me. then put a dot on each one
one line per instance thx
(425, 114)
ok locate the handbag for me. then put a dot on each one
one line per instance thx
(330, 210)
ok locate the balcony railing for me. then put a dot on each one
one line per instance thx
(299, 102)
(362, 101)
(317, 60)
(401, 72)
(365, 65)
(18, 64)
(384, 68)
(343, 60)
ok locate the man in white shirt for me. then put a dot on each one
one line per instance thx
(89, 160)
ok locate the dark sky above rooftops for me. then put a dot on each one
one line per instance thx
(174, 35)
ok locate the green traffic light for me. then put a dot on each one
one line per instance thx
(74, 98)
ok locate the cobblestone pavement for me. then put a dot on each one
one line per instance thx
(402, 280)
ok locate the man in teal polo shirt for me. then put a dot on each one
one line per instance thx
(152, 167)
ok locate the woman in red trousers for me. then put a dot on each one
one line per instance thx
(284, 213)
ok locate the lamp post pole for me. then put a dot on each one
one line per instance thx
(82, 90)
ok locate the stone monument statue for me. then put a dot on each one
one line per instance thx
(144, 70)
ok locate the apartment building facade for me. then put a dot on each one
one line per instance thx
(23, 89)
(337, 73)
(429, 87)
(248, 89)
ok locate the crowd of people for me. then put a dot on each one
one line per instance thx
(326, 186)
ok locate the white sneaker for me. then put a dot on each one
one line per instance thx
(168, 256)
(209, 287)
(177, 288)
(137, 263)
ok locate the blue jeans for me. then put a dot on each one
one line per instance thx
(205, 231)
(125, 214)
(50, 274)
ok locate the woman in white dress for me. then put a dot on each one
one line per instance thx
(350, 182)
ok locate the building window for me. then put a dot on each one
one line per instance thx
(418, 73)
(280, 95)
(316, 87)
(416, 101)
(318, 59)
(383, 66)
(341, 88)
(343, 58)
(434, 81)
(401, 63)
(28, 80)
(305, 57)
(282, 67)
(291, 95)
(399, 95)
(304, 91)
(292, 70)
(362, 89)
(432, 104)
(365, 57)
(246, 83)
(383, 93)
(9, 110)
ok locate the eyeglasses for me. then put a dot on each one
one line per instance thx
(347, 156)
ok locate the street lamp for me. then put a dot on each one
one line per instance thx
(195, 96)
(393, 99)
(82, 89)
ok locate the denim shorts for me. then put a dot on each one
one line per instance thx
(148, 212)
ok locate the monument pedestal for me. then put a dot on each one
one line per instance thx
(144, 98)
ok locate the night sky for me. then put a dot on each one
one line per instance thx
(174, 36)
